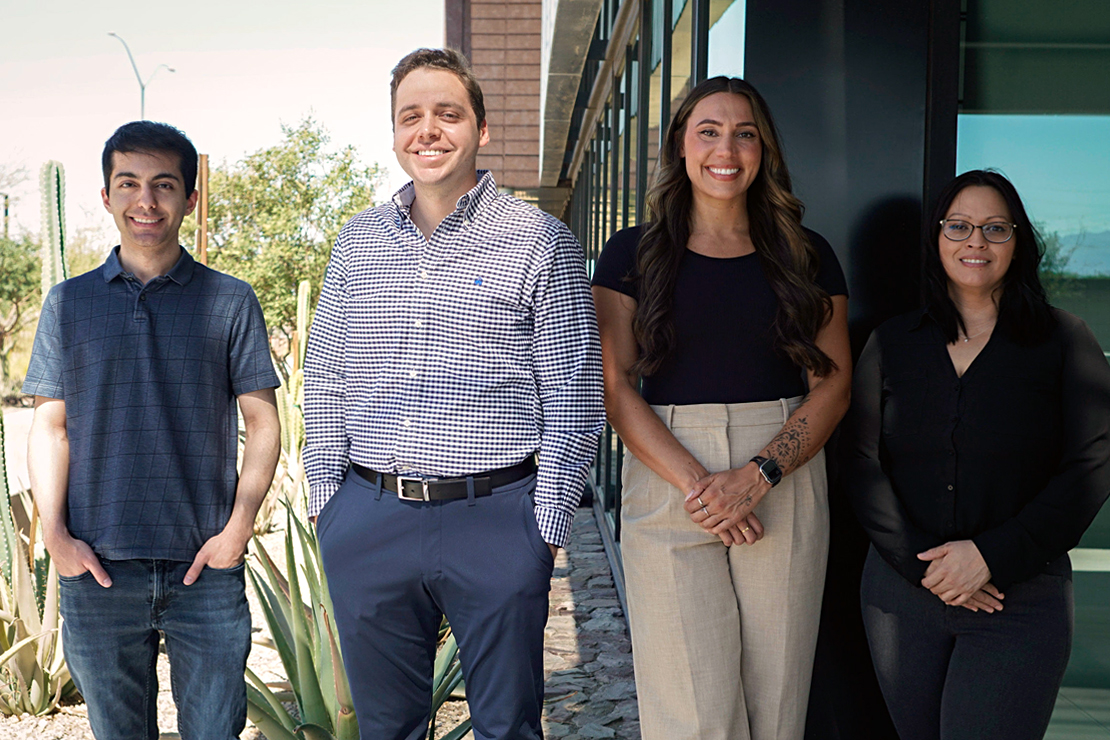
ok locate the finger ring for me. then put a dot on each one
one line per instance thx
(745, 529)
(707, 514)
(700, 502)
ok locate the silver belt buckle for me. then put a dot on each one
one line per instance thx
(401, 489)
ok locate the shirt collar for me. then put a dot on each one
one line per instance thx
(470, 204)
(180, 273)
(923, 313)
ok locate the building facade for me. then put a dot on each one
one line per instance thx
(879, 105)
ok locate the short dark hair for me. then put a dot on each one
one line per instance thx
(1023, 310)
(447, 59)
(152, 137)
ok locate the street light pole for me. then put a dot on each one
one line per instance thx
(142, 85)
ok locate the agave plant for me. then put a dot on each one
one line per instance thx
(289, 481)
(298, 608)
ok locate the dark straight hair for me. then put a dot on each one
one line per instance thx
(152, 137)
(1023, 311)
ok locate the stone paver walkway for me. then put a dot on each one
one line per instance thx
(590, 692)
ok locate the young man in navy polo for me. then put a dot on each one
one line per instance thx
(136, 371)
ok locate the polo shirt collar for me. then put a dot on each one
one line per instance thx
(471, 203)
(181, 273)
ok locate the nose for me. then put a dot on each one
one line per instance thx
(146, 197)
(429, 127)
(977, 240)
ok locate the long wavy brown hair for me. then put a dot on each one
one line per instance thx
(789, 260)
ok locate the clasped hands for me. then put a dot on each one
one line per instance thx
(722, 503)
(959, 576)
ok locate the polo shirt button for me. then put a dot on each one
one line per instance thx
(408, 423)
(424, 274)
(950, 486)
(419, 323)
(142, 297)
(412, 373)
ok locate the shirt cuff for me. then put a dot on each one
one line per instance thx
(318, 495)
(554, 525)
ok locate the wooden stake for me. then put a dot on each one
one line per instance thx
(202, 215)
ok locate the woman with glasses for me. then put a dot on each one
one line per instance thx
(978, 446)
(735, 318)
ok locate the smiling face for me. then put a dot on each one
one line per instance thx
(722, 147)
(146, 197)
(436, 136)
(975, 265)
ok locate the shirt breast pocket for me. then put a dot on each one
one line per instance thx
(904, 397)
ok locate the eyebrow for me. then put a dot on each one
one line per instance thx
(963, 216)
(444, 104)
(715, 122)
(159, 176)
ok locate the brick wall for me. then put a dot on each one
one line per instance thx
(505, 53)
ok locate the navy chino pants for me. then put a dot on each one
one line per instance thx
(395, 567)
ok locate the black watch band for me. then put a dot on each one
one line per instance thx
(769, 469)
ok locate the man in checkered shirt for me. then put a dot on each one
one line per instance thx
(454, 344)
(137, 369)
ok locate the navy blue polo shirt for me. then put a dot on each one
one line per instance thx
(149, 375)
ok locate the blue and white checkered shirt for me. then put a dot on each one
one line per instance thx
(456, 355)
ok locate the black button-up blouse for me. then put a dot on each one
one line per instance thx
(1014, 455)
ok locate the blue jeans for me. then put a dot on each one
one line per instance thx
(110, 636)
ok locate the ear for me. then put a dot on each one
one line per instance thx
(191, 201)
(104, 198)
(483, 134)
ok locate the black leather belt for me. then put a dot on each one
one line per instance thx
(441, 489)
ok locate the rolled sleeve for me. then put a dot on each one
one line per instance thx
(566, 355)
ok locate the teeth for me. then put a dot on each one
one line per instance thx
(145, 220)
(970, 261)
(429, 152)
(724, 170)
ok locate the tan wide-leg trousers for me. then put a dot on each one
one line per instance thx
(723, 637)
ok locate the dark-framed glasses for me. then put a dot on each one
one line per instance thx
(995, 232)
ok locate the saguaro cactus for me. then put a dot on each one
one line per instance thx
(52, 183)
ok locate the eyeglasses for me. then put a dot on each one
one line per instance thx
(996, 232)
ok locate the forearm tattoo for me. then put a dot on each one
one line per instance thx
(791, 448)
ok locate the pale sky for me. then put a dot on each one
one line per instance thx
(243, 67)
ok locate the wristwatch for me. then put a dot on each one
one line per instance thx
(769, 469)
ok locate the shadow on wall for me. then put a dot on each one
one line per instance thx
(885, 249)
(845, 702)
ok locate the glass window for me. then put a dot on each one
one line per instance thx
(681, 49)
(1035, 105)
(726, 37)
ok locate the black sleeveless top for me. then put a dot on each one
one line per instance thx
(723, 313)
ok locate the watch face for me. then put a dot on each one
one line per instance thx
(771, 471)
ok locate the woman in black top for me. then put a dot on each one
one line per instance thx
(728, 310)
(978, 447)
